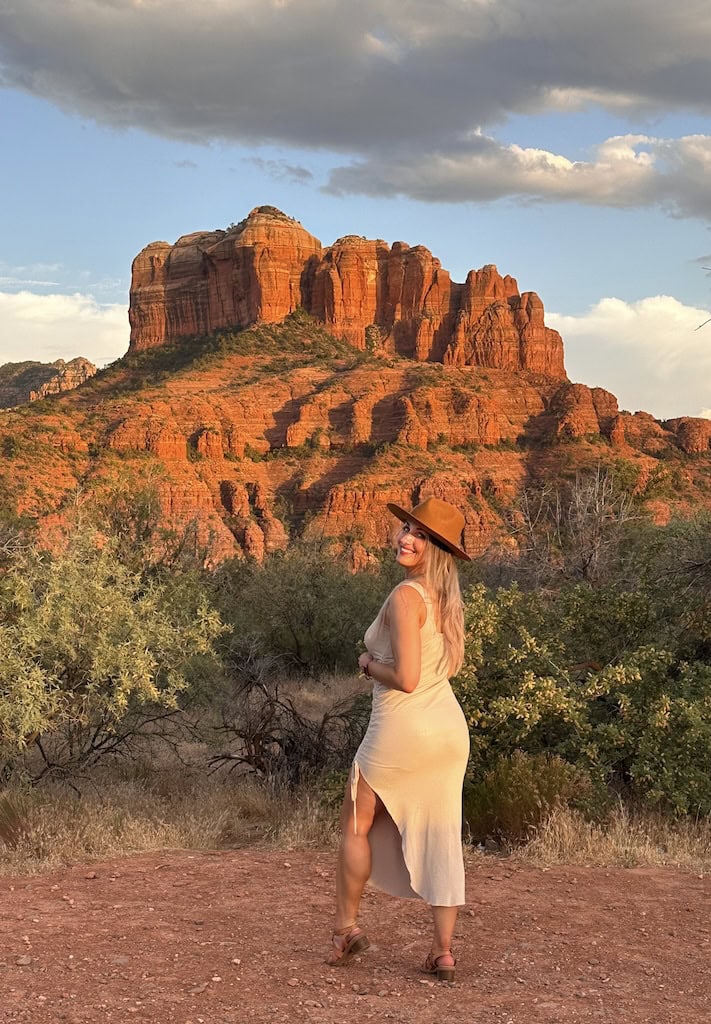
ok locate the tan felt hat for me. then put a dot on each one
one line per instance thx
(440, 520)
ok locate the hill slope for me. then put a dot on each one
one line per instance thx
(256, 435)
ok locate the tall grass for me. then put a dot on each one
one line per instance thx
(48, 828)
(625, 838)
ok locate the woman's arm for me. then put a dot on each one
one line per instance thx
(406, 613)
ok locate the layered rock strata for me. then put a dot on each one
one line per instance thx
(397, 298)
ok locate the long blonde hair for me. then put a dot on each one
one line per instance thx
(442, 582)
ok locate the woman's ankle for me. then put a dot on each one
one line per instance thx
(443, 957)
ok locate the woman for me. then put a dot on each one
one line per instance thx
(401, 817)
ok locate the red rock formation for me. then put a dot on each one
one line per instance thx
(253, 272)
(341, 436)
(161, 437)
(30, 381)
(209, 443)
(618, 437)
(398, 299)
(581, 410)
(693, 434)
(642, 431)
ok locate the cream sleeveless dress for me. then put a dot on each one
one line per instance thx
(414, 755)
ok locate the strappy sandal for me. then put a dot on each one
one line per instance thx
(444, 972)
(354, 941)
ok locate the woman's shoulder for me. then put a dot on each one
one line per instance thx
(415, 585)
(408, 596)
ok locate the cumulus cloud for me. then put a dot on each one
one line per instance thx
(49, 327)
(649, 353)
(625, 171)
(353, 76)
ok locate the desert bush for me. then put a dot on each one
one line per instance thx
(519, 792)
(129, 515)
(263, 732)
(92, 654)
(573, 530)
(615, 681)
(302, 605)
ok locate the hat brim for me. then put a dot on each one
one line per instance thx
(408, 517)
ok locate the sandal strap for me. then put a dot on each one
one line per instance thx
(347, 930)
(432, 958)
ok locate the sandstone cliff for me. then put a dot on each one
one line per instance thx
(275, 388)
(28, 381)
(396, 299)
(281, 431)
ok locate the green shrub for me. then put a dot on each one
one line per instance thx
(9, 447)
(303, 605)
(615, 678)
(517, 794)
(92, 653)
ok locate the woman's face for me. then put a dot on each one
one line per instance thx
(410, 543)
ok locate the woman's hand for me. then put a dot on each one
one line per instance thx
(364, 660)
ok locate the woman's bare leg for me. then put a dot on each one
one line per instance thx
(353, 864)
(444, 919)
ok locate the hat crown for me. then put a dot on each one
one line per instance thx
(440, 517)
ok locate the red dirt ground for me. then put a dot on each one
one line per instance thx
(239, 936)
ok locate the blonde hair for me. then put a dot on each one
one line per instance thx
(442, 582)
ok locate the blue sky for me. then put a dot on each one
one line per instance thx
(568, 143)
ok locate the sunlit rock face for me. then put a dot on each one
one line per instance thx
(398, 299)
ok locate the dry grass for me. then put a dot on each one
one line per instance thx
(625, 839)
(45, 829)
(41, 830)
(314, 697)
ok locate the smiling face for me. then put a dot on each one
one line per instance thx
(410, 545)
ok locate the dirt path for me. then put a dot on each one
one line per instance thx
(239, 936)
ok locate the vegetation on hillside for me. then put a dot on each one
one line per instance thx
(298, 340)
(587, 678)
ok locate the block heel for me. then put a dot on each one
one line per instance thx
(442, 972)
(355, 941)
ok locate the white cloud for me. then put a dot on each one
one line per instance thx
(649, 353)
(626, 171)
(49, 327)
(23, 282)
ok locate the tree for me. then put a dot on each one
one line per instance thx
(573, 531)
